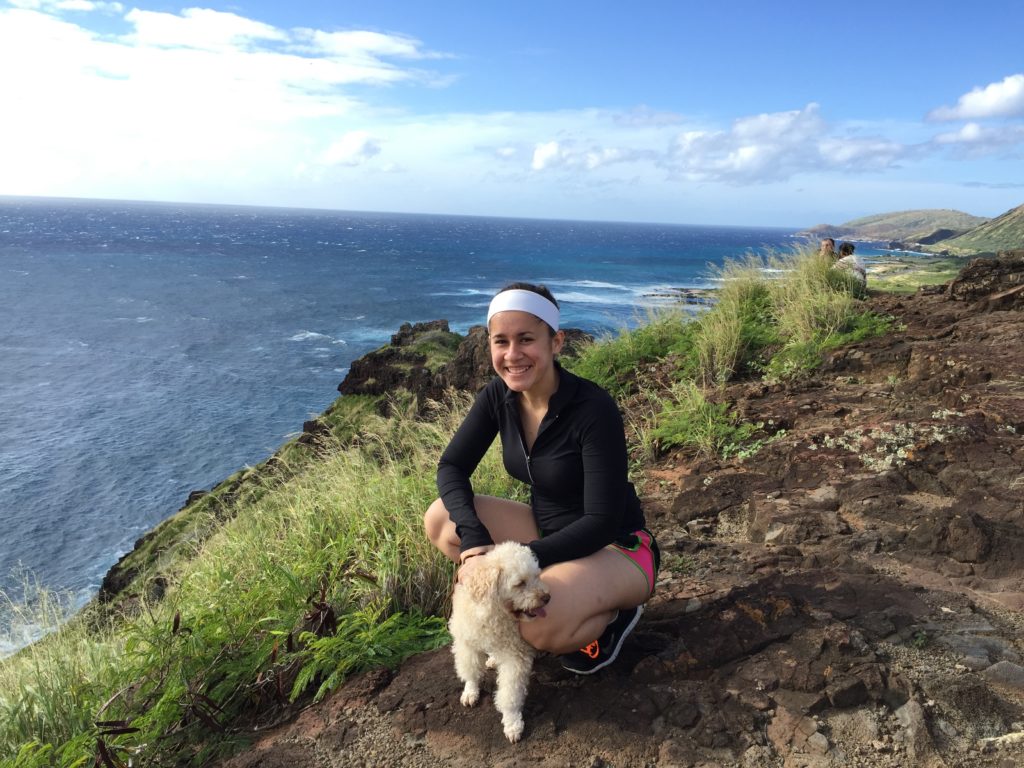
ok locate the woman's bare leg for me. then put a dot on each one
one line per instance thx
(504, 519)
(585, 593)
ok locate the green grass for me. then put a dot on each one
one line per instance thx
(905, 274)
(1003, 233)
(614, 361)
(776, 316)
(326, 573)
(731, 337)
(688, 418)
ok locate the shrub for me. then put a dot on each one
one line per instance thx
(731, 336)
(688, 419)
(613, 361)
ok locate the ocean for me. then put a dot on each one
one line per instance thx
(147, 350)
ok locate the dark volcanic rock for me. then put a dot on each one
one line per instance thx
(461, 363)
(990, 279)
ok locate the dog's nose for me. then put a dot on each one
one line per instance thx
(547, 599)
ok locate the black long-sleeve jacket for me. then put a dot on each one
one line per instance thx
(581, 497)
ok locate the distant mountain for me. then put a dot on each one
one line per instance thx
(1002, 233)
(902, 226)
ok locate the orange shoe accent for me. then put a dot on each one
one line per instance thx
(591, 650)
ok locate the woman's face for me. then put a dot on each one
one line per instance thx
(523, 350)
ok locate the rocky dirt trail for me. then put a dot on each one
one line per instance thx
(851, 595)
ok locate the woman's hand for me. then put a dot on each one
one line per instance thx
(466, 559)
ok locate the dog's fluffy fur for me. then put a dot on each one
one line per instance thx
(502, 589)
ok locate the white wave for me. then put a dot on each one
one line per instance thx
(308, 336)
(462, 292)
(590, 284)
(339, 341)
(577, 297)
(143, 319)
(20, 636)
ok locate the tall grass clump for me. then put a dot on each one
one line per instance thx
(323, 575)
(613, 361)
(774, 315)
(730, 336)
(51, 691)
(812, 300)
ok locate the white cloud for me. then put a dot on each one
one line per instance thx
(196, 105)
(354, 148)
(1002, 99)
(362, 43)
(199, 28)
(569, 155)
(974, 140)
(550, 154)
(213, 106)
(775, 146)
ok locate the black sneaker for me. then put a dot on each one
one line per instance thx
(603, 651)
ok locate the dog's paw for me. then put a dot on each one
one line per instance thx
(513, 728)
(470, 696)
(492, 663)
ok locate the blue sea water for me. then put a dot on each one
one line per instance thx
(147, 350)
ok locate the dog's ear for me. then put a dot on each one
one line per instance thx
(483, 579)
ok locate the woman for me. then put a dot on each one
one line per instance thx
(853, 266)
(563, 435)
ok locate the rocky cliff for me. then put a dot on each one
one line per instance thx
(849, 595)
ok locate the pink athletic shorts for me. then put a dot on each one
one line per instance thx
(642, 550)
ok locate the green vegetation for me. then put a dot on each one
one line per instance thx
(326, 573)
(613, 362)
(688, 418)
(905, 274)
(905, 226)
(774, 316)
(292, 575)
(1003, 233)
(935, 231)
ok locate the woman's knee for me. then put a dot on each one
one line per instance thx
(434, 520)
(560, 637)
(542, 636)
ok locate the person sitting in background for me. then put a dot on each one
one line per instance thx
(828, 249)
(853, 266)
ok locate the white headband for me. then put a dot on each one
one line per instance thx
(524, 301)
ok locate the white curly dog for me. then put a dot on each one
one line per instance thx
(503, 589)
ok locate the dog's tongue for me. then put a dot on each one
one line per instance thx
(540, 612)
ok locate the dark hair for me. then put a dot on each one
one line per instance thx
(540, 290)
(846, 249)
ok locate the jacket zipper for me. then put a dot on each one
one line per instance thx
(522, 443)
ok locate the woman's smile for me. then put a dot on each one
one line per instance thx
(523, 350)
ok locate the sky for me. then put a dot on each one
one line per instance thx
(735, 113)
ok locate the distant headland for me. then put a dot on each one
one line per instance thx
(941, 231)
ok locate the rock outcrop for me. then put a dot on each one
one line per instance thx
(427, 358)
(849, 595)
